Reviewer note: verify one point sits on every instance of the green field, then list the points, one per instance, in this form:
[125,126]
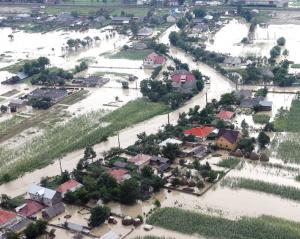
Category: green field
[77,133]
[191,223]
[261,186]
[6,124]
[130,54]
[261,118]
[229,162]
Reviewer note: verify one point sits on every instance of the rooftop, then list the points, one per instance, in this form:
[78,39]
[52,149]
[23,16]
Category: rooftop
[201,132]
[30,208]
[140,159]
[6,216]
[181,75]
[157,59]
[68,186]
[119,174]
[225,115]
[229,135]
[41,191]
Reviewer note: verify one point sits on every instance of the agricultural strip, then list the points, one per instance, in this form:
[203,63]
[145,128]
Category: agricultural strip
[9,123]
[189,222]
[130,54]
[261,186]
[77,133]
[230,162]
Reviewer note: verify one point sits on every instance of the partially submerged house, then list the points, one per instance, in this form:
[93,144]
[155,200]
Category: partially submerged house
[183,80]
[16,105]
[225,115]
[10,221]
[232,61]
[144,32]
[53,94]
[154,60]
[227,139]
[251,103]
[69,186]
[30,208]
[161,164]
[140,160]
[43,195]
[119,175]
[169,141]
[53,211]
[201,133]
[91,81]
[265,105]
[120,20]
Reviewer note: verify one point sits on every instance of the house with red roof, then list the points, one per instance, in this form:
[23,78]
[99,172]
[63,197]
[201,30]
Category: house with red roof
[7,218]
[227,139]
[140,160]
[119,175]
[153,60]
[29,208]
[200,133]
[225,115]
[183,80]
[69,186]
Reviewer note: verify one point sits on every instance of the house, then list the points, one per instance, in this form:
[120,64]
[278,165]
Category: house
[227,139]
[154,60]
[91,81]
[43,195]
[232,61]
[173,3]
[53,211]
[183,80]
[161,164]
[169,141]
[140,160]
[54,94]
[119,175]
[144,32]
[16,105]
[29,208]
[139,46]
[7,218]
[265,105]
[76,227]
[69,186]
[120,20]
[197,152]
[198,21]
[243,94]
[120,164]
[174,17]
[225,115]
[200,27]
[208,17]
[251,103]
[200,133]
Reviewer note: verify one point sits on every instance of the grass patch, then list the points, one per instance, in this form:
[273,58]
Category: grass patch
[77,133]
[59,9]
[289,149]
[130,54]
[14,68]
[9,123]
[10,93]
[138,12]
[295,66]
[230,162]
[261,118]
[297,178]
[261,186]
[280,166]
[189,222]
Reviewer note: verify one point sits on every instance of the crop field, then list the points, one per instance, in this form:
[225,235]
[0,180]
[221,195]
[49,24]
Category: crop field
[230,162]
[189,222]
[78,132]
[261,118]
[288,149]
[130,54]
[261,186]
[5,125]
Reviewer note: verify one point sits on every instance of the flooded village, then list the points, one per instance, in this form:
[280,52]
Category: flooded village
[149,119]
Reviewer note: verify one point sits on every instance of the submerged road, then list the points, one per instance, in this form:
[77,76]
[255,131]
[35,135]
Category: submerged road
[218,86]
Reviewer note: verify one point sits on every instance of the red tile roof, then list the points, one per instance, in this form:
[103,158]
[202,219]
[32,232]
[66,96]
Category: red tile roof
[6,216]
[201,132]
[157,59]
[226,115]
[182,75]
[65,187]
[118,174]
[31,208]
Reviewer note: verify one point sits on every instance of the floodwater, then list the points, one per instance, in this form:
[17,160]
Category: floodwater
[228,39]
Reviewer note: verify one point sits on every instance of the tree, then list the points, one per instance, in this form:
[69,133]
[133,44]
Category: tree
[98,215]
[11,235]
[181,23]
[228,99]
[275,52]
[263,139]
[134,27]
[157,203]
[171,151]
[34,230]
[199,12]
[129,191]
[147,171]
[125,85]
[65,176]
[89,153]
[3,108]
[281,41]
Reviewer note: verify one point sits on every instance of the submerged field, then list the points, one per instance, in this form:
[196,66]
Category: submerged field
[77,133]
[189,223]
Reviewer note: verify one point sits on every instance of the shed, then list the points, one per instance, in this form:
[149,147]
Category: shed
[51,212]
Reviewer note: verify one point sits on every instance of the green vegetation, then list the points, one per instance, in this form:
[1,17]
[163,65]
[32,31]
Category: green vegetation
[130,54]
[289,148]
[261,186]
[9,123]
[14,68]
[297,178]
[261,118]
[229,162]
[288,120]
[75,97]
[295,66]
[77,133]
[189,222]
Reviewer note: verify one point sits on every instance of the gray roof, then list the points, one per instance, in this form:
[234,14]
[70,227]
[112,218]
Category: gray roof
[53,211]
[48,93]
[265,103]
[232,60]
[41,191]
[160,160]
[121,19]
[251,103]
[244,94]
[74,226]
[120,164]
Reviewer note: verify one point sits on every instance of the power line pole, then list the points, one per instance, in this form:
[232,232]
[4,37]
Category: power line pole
[61,171]
[119,140]
[168,118]
[206,98]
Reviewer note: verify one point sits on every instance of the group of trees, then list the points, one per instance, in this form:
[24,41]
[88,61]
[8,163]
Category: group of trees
[53,76]
[35,66]
[41,103]
[81,67]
